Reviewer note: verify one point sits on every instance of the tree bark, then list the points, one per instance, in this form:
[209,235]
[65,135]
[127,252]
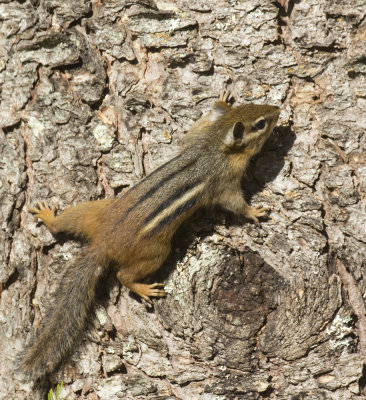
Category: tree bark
[95,95]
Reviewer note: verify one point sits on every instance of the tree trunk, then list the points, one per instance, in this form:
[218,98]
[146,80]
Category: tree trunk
[95,95]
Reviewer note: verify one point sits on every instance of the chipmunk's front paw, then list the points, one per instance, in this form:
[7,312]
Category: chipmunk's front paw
[43,212]
[254,213]
[225,95]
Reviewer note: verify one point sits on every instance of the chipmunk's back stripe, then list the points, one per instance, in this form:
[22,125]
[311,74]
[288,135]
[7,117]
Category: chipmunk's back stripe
[182,200]
[155,188]
[170,200]
[179,211]
[158,186]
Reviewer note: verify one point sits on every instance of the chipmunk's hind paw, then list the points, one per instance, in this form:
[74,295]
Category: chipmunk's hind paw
[42,211]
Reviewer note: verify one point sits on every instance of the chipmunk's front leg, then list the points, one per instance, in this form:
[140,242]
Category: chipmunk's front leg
[235,202]
[225,95]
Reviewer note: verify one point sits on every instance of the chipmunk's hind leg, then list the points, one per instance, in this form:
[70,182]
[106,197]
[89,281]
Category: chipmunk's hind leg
[129,278]
[79,220]
[146,291]
[46,214]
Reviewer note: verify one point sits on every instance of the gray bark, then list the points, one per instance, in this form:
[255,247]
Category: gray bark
[94,95]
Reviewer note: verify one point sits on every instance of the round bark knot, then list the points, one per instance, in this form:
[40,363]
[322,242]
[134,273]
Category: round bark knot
[244,294]
[226,297]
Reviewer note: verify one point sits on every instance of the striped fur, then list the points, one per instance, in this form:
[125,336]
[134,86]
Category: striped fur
[158,185]
[181,201]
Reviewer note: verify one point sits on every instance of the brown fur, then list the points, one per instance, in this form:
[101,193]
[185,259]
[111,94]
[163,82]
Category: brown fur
[135,231]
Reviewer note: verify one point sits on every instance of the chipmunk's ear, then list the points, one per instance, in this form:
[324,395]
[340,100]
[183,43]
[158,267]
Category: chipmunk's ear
[235,136]
[218,110]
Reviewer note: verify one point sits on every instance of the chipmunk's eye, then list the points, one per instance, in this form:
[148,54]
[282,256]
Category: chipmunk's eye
[260,124]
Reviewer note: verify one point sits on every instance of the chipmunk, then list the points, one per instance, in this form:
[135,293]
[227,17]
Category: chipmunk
[133,233]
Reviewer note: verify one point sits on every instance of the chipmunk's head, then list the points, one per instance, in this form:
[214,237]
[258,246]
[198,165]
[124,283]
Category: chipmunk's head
[244,129]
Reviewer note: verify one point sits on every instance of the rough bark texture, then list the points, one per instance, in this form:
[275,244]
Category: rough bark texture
[94,95]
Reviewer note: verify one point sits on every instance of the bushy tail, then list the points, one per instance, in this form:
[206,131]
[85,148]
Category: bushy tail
[66,322]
